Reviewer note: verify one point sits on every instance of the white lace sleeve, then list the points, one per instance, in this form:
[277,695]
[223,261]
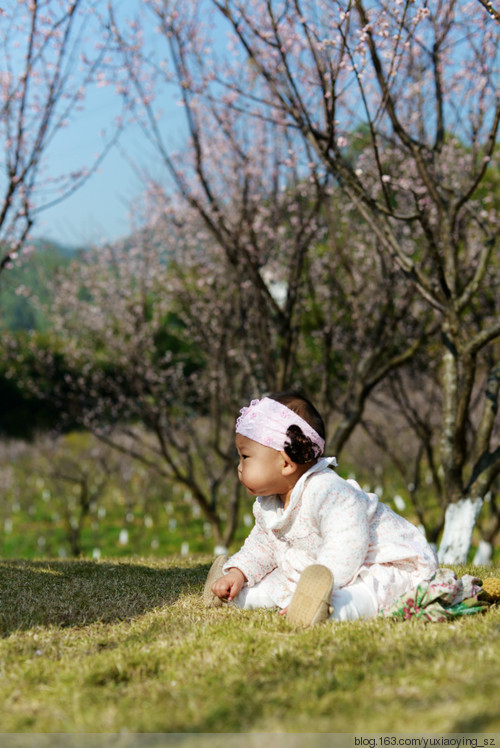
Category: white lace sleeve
[256,558]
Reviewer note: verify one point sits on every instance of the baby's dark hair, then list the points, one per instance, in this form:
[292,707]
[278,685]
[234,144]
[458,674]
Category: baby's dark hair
[301,449]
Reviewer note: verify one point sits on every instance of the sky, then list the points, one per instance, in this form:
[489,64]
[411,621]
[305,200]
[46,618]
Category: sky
[97,211]
[100,210]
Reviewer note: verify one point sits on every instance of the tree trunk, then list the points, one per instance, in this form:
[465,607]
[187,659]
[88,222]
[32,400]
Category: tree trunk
[458,526]
[483,554]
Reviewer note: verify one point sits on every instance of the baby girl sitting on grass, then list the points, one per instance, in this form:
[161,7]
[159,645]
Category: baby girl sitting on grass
[321,547]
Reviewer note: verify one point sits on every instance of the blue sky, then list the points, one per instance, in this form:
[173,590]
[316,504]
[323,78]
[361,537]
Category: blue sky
[99,210]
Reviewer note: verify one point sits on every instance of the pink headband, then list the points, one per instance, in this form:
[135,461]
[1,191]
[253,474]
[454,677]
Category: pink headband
[266,421]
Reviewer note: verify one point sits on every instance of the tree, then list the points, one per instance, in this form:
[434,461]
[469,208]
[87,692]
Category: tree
[416,398]
[424,81]
[76,472]
[131,375]
[156,346]
[316,100]
[266,200]
[42,87]
[359,322]
[424,84]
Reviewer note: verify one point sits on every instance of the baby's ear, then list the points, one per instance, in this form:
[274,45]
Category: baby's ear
[289,467]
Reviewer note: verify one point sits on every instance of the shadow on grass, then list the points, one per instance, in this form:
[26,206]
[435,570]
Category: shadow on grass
[76,593]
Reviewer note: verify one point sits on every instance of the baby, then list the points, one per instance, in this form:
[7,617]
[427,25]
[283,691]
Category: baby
[321,547]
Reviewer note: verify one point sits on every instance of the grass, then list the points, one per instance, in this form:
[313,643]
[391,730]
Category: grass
[126,645]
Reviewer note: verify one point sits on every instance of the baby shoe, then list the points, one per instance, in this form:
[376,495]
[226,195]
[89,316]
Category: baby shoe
[490,590]
[209,599]
[311,602]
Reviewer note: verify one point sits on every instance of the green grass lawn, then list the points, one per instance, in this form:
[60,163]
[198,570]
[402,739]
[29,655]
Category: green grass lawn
[126,645]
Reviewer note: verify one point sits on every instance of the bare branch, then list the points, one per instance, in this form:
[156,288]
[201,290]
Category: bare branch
[493,12]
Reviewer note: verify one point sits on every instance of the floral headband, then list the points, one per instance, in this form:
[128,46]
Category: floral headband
[267,421]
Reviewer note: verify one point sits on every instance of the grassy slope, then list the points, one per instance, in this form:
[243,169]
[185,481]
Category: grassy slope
[113,646]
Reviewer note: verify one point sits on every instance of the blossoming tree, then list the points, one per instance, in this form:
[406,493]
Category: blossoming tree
[261,193]
[157,343]
[421,84]
[48,63]
[333,215]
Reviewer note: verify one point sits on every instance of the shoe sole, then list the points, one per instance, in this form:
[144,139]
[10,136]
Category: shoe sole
[311,602]
[209,599]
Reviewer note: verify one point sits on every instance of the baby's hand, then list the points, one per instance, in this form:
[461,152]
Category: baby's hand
[228,586]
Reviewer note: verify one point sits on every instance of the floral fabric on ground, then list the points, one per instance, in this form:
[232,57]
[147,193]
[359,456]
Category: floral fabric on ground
[439,599]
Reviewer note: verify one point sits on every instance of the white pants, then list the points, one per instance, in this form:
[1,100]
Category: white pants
[349,603]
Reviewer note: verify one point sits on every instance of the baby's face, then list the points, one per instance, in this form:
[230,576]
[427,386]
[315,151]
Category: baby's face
[260,467]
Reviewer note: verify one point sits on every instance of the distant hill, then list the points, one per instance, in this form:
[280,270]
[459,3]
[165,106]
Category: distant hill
[17,312]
